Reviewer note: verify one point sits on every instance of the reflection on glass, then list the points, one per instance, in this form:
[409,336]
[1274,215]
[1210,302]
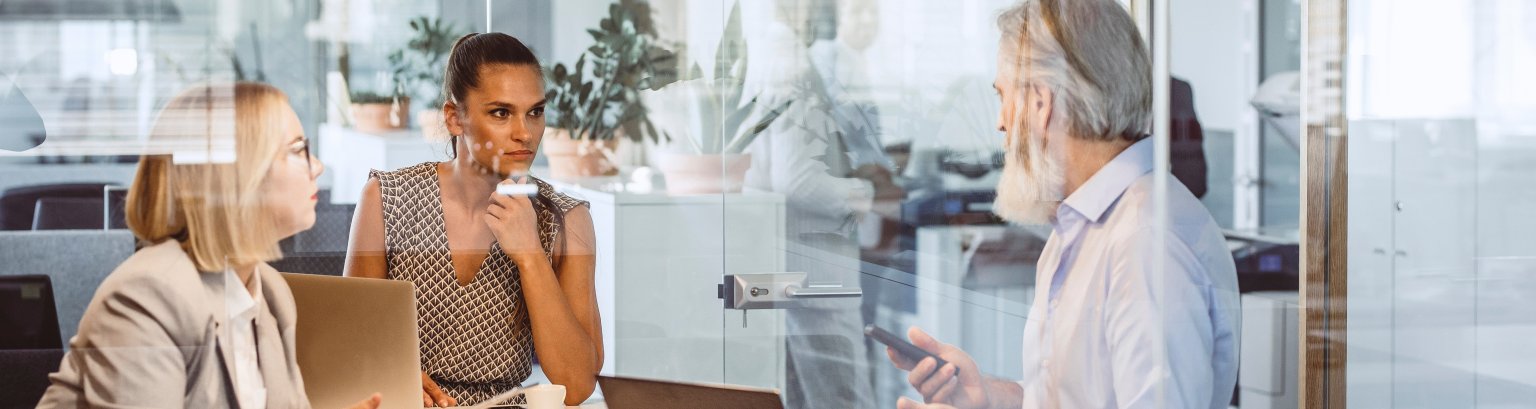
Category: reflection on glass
[812,155]
[856,142]
[208,220]
[24,127]
[1439,248]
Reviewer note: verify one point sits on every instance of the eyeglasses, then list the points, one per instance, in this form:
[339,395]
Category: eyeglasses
[303,150]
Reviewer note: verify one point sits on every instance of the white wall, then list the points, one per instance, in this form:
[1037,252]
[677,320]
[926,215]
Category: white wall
[1209,41]
[1405,69]
[571,20]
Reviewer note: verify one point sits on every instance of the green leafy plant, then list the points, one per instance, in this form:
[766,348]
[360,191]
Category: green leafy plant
[569,95]
[370,97]
[421,61]
[601,95]
[709,112]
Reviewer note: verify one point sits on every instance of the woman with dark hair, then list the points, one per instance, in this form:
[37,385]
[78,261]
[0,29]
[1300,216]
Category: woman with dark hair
[499,277]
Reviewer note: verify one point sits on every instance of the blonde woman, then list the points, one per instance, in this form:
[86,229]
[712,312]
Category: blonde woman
[196,318]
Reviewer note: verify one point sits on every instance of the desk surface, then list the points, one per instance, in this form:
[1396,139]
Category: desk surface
[594,404]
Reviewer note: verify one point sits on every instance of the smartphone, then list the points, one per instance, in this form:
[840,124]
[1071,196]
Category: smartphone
[901,345]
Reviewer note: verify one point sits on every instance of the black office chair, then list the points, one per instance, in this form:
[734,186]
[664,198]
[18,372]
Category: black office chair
[323,248]
[18,205]
[68,213]
[25,378]
[30,347]
[27,314]
[115,197]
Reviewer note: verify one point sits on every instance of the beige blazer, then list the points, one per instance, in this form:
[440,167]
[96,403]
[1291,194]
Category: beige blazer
[153,336]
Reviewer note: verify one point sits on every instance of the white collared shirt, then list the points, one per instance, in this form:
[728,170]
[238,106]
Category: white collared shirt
[241,303]
[1108,328]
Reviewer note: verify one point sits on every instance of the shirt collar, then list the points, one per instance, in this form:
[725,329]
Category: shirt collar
[1093,198]
[239,299]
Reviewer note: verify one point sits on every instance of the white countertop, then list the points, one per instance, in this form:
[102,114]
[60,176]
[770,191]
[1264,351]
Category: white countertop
[622,190]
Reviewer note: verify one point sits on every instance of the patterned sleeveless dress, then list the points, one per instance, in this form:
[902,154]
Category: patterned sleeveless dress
[476,340]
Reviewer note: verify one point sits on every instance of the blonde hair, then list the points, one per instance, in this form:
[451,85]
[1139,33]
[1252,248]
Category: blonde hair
[213,207]
[1090,54]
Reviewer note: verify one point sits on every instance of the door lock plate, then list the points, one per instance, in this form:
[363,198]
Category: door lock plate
[776,291]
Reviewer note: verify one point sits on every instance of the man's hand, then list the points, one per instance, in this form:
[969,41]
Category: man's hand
[958,383]
[904,403]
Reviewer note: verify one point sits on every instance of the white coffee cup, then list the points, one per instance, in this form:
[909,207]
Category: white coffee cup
[517,189]
[545,396]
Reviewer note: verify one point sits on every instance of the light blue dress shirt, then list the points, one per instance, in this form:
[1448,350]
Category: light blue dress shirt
[1110,327]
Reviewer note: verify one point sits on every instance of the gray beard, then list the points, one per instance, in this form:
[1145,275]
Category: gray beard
[1031,187]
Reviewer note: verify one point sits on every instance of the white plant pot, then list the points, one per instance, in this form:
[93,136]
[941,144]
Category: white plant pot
[704,174]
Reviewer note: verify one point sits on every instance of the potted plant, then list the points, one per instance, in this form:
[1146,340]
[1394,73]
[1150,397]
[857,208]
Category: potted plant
[599,99]
[421,63]
[710,127]
[373,112]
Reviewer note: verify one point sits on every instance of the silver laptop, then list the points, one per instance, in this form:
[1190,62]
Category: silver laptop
[635,393]
[355,337]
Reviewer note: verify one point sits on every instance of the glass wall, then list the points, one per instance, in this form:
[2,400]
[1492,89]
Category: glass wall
[888,163]
[765,183]
[1235,137]
[1439,262]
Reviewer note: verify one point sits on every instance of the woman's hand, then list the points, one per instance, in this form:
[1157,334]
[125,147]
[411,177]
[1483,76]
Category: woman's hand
[431,395]
[514,224]
[371,403]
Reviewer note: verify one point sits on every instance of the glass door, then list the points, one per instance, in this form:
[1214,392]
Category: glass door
[819,167]
[1439,256]
[880,154]
[885,165]
[888,160]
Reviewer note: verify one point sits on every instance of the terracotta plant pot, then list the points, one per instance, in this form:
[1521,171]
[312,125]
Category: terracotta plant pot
[431,123]
[705,174]
[381,117]
[571,159]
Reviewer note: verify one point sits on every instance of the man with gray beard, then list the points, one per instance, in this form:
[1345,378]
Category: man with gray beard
[1128,312]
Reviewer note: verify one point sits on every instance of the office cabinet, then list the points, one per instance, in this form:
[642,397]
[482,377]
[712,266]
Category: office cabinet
[1413,286]
[349,154]
[1268,354]
[984,320]
[1370,265]
[660,258]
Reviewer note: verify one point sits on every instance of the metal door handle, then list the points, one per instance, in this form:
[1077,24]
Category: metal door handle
[795,291]
[777,290]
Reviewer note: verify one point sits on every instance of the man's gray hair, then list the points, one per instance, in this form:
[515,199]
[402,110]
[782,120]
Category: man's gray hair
[1090,54]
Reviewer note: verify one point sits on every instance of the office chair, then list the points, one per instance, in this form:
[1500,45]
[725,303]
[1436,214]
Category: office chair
[28,316]
[30,347]
[68,213]
[323,248]
[115,197]
[19,204]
